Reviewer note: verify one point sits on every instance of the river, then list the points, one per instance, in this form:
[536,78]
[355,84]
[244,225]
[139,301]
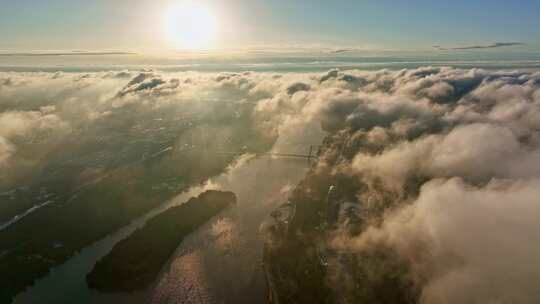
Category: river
[219,263]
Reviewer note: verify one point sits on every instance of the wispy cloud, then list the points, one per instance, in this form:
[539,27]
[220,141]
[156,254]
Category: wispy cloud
[476,47]
[341,51]
[70,53]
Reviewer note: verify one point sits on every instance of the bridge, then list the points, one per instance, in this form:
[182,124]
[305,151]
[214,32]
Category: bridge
[310,156]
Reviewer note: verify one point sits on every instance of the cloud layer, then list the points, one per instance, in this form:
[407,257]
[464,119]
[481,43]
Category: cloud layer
[457,151]
[451,157]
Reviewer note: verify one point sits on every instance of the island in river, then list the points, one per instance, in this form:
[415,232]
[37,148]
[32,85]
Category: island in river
[135,262]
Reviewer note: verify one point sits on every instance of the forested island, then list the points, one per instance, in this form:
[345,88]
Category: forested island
[135,262]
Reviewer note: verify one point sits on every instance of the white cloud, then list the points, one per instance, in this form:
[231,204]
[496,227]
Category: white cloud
[470,137]
[468,244]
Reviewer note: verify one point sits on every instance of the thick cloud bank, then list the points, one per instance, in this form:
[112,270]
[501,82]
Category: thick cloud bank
[452,155]
[453,159]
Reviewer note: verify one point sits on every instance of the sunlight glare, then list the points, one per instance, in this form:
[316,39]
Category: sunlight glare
[190,25]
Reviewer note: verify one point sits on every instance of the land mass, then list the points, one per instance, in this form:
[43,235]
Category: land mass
[135,262]
[141,177]
[300,264]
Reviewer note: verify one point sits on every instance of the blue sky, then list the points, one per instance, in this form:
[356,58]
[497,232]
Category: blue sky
[364,24]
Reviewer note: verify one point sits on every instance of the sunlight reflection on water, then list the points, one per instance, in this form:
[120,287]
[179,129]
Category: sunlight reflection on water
[221,262]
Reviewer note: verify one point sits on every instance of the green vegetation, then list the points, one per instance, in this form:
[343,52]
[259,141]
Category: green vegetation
[135,262]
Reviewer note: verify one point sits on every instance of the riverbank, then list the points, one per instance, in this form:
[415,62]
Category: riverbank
[135,262]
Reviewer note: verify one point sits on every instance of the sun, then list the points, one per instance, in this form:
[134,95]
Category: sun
[190,25]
